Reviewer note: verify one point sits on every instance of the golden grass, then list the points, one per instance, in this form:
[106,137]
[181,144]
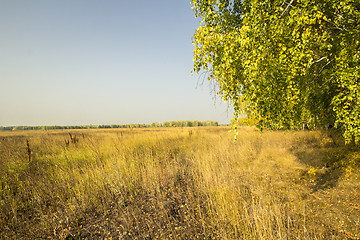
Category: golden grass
[170,183]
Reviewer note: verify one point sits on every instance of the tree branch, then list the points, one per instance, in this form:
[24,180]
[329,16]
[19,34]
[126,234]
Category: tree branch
[287,7]
[321,70]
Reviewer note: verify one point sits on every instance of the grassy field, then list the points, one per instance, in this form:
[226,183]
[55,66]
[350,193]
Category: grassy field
[177,183]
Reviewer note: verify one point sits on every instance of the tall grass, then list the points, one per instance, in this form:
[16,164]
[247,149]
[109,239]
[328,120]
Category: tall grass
[177,183]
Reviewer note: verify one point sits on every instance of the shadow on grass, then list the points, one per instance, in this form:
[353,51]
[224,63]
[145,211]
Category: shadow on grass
[327,180]
[328,158]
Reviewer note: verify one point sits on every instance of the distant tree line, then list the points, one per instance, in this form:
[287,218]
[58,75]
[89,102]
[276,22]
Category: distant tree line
[163,124]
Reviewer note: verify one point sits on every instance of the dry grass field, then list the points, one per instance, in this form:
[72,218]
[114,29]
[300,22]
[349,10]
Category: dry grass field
[177,183]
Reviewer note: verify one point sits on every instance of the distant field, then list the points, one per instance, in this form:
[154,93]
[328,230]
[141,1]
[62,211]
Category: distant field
[177,183]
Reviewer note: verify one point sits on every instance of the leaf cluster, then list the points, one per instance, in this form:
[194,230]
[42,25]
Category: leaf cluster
[284,63]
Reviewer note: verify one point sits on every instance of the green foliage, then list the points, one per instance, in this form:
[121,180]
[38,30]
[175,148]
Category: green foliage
[284,63]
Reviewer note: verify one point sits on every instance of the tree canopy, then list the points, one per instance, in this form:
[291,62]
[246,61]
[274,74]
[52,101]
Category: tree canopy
[284,63]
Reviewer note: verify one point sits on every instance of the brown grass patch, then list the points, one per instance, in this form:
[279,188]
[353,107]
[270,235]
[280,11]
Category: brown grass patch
[177,183]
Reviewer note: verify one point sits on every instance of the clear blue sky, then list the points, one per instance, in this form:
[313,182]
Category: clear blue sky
[69,62]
